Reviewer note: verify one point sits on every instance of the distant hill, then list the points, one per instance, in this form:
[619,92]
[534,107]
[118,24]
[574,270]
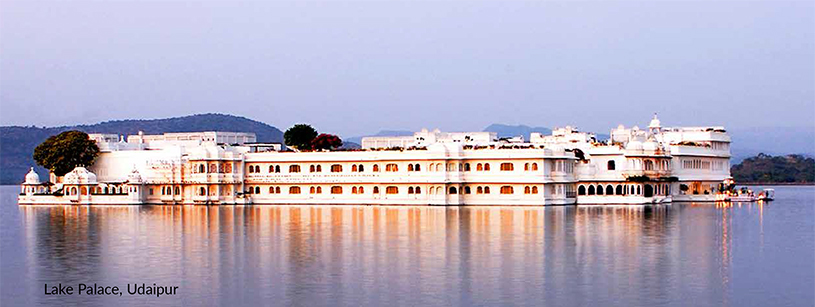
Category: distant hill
[748,142]
[17,143]
[775,169]
[358,139]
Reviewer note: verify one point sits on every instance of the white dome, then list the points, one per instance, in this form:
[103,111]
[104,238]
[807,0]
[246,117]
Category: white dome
[134,177]
[650,146]
[32,177]
[80,175]
[634,145]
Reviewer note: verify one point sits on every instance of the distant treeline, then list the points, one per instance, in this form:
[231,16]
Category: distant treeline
[775,169]
[17,143]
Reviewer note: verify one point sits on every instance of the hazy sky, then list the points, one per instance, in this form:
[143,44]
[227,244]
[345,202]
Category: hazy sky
[357,67]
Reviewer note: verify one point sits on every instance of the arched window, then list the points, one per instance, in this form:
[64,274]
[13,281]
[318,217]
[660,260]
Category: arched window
[294,190]
[277,168]
[276,190]
[649,165]
[201,168]
[619,190]
[213,168]
[410,169]
[336,168]
[438,190]
[453,190]
[410,190]
[599,190]
[591,190]
[534,166]
[354,169]
[507,167]
[376,190]
[431,190]
[202,191]
[486,166]
[479,167]
[294,168]
[507,190]
[319,190]
[467,190]
[311,168]
[609,190]
[311,190]
[417,167]
[610,165]
[361,168]
[466,167]
[336,190]
[177,191]
[319,168]
[361,190]
[391,190]
[257,190]
[376,167]
[271,168]
[479,190]
[354,189]
[581,190]
[418,190]
[391,167]
[486,190]
[639,191]
[526,167]
[534,190]
[527,189]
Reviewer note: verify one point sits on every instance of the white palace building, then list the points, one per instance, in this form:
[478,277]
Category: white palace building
[634,166]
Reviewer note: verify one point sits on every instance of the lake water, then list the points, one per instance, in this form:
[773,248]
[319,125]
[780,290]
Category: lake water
[672,255]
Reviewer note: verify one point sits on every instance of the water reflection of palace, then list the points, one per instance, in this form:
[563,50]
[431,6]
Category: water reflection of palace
[472,251]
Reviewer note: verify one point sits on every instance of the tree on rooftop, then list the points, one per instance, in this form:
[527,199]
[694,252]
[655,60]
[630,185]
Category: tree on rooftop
[300,136]
[63,152]
[326,141]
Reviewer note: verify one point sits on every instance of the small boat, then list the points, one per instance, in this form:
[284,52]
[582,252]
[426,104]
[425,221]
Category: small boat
[766,195]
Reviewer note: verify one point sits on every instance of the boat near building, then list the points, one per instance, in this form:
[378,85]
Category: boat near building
[656,165]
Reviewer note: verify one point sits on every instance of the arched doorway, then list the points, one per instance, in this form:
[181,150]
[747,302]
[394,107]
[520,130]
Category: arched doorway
[649,191]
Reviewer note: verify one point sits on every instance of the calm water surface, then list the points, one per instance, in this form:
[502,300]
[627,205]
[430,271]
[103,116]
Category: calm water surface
[674,255]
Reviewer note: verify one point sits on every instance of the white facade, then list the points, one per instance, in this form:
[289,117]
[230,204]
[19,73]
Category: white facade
[430,168]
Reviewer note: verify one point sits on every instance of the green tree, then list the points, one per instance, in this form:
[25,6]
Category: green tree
[63,152]
[326,141]
[300,136]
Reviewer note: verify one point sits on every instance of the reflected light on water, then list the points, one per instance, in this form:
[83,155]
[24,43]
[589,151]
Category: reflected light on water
[362,255]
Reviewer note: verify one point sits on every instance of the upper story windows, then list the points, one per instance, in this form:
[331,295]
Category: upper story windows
[315,168]
[531,166]
[507,166]
[357,168]
[482,167]
[563,166]
[336,168]
[507,190]
[392,167]
[294,168]
[376,168]
[414,167]
[336,190]
[273,169]
[610,165]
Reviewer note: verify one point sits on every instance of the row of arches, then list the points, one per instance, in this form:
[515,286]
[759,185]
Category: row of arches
[203,168]
[645,190]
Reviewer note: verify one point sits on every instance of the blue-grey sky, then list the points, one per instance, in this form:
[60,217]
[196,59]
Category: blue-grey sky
[354,68]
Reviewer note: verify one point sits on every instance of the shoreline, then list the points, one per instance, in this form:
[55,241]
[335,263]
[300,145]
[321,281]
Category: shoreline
[778,183]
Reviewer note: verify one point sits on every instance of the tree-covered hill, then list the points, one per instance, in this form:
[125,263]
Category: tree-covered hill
[775,169]
[17,143]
